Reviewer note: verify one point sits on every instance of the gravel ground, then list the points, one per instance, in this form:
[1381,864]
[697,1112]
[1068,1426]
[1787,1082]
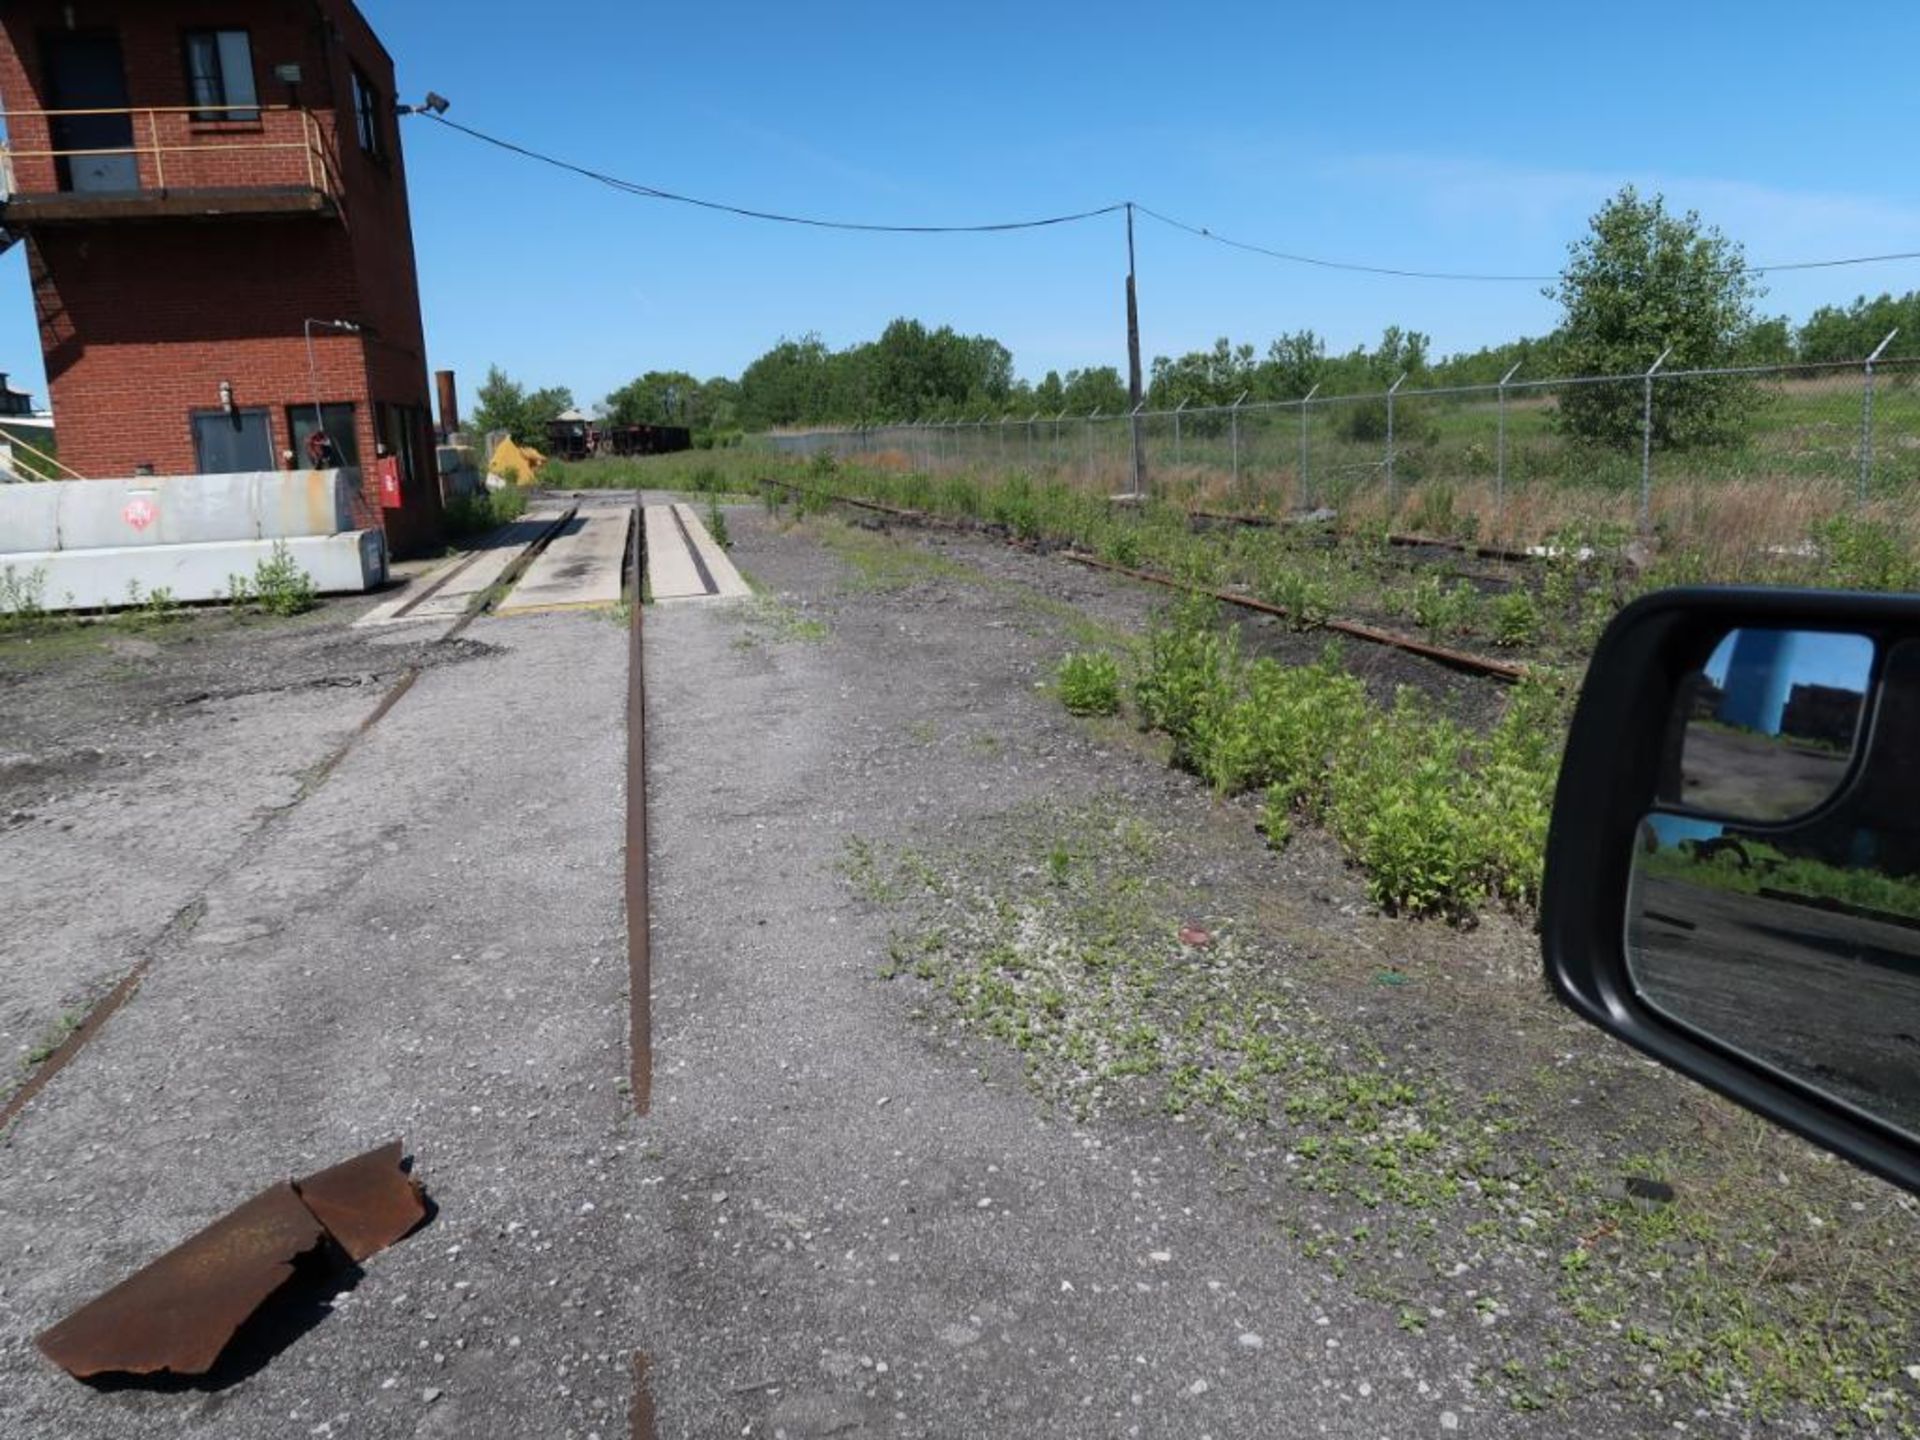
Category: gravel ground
[139,762]
[856,1208]
[430,945]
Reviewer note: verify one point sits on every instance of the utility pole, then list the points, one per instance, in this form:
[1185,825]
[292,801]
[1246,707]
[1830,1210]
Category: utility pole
[1134,397]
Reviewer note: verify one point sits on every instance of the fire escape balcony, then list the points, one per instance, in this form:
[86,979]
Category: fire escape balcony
[82,167]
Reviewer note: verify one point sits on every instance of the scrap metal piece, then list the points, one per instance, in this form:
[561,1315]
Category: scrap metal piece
[365,1203]
[178,1314]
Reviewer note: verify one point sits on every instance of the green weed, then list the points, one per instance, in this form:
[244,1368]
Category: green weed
[1089,683]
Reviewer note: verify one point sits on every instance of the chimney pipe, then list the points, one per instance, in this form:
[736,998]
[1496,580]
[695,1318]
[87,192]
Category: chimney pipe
[449,403]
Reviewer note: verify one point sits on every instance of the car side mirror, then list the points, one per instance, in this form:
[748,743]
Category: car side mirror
[1733,869]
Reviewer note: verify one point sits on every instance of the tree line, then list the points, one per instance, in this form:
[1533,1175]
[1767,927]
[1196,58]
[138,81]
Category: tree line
[1640,280]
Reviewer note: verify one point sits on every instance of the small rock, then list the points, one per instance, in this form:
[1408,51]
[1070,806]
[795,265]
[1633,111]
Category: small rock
[431,1394]
[1251,1341]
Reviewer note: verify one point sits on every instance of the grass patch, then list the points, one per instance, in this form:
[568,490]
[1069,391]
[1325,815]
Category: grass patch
[469,515]
[57,1034]
[1089,683]
[1767,1282]
[1438,819]
[773,619]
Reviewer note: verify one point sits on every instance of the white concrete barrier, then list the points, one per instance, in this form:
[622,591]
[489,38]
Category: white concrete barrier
[112,576]
[91,544]
[178,509]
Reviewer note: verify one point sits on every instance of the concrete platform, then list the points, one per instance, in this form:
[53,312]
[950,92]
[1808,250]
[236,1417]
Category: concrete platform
[448,591]
[683,562]
[581,568]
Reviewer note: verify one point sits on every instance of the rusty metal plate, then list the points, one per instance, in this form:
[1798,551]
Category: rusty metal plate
[178,1314]
[367,1202]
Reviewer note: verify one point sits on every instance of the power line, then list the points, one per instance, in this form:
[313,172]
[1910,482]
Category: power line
[652,192]
[633,187]
[1205,233]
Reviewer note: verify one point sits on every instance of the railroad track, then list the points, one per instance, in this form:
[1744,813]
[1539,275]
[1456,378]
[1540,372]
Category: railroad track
[1408,541]
[1507,671]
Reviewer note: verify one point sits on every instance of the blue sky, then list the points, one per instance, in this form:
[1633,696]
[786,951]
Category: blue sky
[1461,136]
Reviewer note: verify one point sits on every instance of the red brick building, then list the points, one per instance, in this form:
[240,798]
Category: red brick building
[204,188]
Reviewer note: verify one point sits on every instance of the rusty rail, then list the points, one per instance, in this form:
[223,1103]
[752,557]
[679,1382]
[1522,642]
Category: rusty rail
[1466,660]
[1416,541]
[1508,671]
[639,917]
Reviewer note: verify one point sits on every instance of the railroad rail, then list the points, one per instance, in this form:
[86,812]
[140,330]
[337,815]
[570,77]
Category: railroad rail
[1507,671]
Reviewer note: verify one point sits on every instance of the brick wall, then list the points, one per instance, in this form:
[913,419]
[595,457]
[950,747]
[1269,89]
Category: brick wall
[142,320]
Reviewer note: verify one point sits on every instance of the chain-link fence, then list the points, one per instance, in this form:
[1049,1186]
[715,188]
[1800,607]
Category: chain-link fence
[1773,447]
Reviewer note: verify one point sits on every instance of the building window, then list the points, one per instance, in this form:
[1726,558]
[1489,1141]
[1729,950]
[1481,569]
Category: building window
[342,444]
[398,428]
[366,115]
[220,75]
[231,442]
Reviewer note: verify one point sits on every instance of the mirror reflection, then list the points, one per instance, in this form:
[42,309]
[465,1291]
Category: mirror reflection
[1799,944]
[1771,722]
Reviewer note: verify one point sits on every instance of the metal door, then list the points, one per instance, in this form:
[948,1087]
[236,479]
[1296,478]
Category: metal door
[226,444]
[84,73]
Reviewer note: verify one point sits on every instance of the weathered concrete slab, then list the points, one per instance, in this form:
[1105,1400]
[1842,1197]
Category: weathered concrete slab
[448,591]
[671,573]
[179,510]
[683,563]
[582,567]
[726,579]
[103,578]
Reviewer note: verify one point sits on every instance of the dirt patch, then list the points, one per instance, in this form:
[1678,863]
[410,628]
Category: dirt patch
[1402,1101]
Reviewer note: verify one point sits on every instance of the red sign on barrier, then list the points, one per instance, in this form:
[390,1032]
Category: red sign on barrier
[140,512]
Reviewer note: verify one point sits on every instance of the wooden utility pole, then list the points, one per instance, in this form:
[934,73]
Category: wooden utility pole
[1134,393]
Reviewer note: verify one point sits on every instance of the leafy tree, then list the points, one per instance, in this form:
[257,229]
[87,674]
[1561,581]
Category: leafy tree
[1295,363]
[1768,342]
[1202,377]
[1639,281]
[659,397]
[505,404]
[1099,387]
[1050,395]
[788,385]
[1850,332]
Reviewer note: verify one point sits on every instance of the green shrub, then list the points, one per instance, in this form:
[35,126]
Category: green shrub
[22,595]
[1276,816]
[1400,809]
[1186,677]
[1307,601]
[717,525]
[960,496]
[1516,620]
[1433,512]
[1090,683]
[916,491]
[477,514]
[1859,554]
[1440,609]
[1121,546]
[279,584]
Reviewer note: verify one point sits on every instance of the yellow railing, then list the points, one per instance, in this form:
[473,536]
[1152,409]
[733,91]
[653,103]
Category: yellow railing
[177,130]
